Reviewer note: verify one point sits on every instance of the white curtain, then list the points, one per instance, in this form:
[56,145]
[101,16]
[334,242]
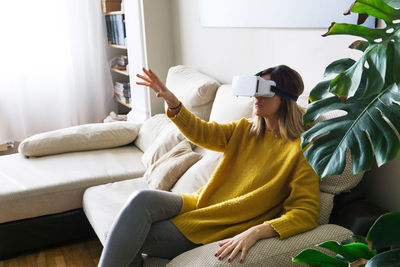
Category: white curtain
[53,71]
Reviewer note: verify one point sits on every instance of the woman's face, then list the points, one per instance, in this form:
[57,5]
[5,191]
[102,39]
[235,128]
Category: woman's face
[267,106]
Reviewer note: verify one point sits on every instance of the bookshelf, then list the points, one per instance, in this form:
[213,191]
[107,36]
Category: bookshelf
[114,15]
[148,43]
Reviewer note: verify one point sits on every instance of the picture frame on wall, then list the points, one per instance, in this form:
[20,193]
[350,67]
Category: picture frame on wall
[276,14]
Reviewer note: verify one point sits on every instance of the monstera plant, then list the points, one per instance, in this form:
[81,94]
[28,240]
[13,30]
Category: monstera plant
[379,249]
[367,91]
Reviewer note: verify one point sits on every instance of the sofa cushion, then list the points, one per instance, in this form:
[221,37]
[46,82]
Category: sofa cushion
[32,187]
[266,252]
[341,183]
[102,203]
[326,206]
[150,130]
[79,138]
[168,138]
[227,107]
[195,89]
[163,173]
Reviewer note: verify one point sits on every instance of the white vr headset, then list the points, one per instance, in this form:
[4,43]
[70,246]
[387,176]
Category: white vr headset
[257,86]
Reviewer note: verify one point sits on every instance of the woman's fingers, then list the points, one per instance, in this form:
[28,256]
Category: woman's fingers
[223,243]
[226,251]
[235,251]
[143,78]
[243,254]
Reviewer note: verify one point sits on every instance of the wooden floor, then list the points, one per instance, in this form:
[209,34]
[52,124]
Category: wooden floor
[83,254]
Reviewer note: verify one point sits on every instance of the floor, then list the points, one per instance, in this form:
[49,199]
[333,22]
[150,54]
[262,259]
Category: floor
[82,254]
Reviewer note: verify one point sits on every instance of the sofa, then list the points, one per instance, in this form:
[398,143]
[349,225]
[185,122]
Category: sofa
[71,183]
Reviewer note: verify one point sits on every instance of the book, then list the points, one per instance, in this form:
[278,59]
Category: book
[120,29]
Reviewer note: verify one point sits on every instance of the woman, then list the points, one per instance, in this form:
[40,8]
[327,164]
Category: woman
[261,173]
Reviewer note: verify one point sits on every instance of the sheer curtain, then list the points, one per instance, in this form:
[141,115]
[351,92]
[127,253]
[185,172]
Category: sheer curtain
[54,71]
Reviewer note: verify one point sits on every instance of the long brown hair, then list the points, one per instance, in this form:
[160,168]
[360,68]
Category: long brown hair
[290,114]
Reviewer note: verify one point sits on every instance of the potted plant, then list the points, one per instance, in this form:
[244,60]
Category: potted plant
[379,249]
[367,90]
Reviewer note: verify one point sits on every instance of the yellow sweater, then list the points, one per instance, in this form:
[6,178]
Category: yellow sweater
[255,180]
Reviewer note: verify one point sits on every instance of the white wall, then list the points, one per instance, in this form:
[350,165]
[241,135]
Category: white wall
[224,52]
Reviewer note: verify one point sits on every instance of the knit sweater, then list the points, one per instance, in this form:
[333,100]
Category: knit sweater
[256,180]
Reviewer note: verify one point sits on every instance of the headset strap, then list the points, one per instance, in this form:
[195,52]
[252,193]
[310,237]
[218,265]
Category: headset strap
[284,93]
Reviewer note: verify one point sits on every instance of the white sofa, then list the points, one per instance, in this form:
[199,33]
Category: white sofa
[101,179]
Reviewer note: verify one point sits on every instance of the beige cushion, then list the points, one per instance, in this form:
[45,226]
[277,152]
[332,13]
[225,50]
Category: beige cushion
[79,138]
[166,171]
[266,252]
[103,203]
[196,90]
[227,107]
[32,187]
[325,208]
[168,138]
[341,183]
[198,174]
[150,130]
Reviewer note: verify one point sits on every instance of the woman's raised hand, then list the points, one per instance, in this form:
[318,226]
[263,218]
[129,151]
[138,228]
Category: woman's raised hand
[151,80]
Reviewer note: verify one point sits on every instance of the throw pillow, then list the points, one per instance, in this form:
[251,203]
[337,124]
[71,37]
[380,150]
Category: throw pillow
[79,138]
[166,171]
[199,174]
[164,142]
[150,129]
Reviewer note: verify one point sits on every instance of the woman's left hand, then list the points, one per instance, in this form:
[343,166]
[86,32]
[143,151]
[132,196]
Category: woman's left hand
[243,242]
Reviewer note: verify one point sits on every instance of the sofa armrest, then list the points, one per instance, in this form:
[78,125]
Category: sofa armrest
[266,252]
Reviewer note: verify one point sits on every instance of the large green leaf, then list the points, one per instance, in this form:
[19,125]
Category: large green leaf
[320,91]
[389,258]
[361,31]
[316,258]
[351,252]
[369,127]
[378,9]
[385,232]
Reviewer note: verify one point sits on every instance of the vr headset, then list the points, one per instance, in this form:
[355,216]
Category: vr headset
[257,86]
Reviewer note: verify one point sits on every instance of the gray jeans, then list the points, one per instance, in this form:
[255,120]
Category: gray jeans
[143,227]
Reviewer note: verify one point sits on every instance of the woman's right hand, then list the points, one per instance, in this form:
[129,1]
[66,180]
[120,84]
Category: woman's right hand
[151,80]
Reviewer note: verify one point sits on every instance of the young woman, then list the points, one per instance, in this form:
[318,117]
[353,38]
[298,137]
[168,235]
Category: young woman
[262,173]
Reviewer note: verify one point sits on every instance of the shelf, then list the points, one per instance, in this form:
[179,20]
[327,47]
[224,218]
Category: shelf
[117,46]
[115,13]
[123,72]
[122,103]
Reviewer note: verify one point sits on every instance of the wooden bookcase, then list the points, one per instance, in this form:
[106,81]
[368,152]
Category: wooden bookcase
[149,44]
[114,13]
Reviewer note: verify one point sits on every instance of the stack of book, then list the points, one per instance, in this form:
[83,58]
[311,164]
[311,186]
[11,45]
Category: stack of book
[116,32]
[122,91]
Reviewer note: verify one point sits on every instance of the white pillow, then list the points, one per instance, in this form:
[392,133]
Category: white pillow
[199,174]
[164,142]
[150,129]
[196,90]
[227,107]
[79,138]
[165,171]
